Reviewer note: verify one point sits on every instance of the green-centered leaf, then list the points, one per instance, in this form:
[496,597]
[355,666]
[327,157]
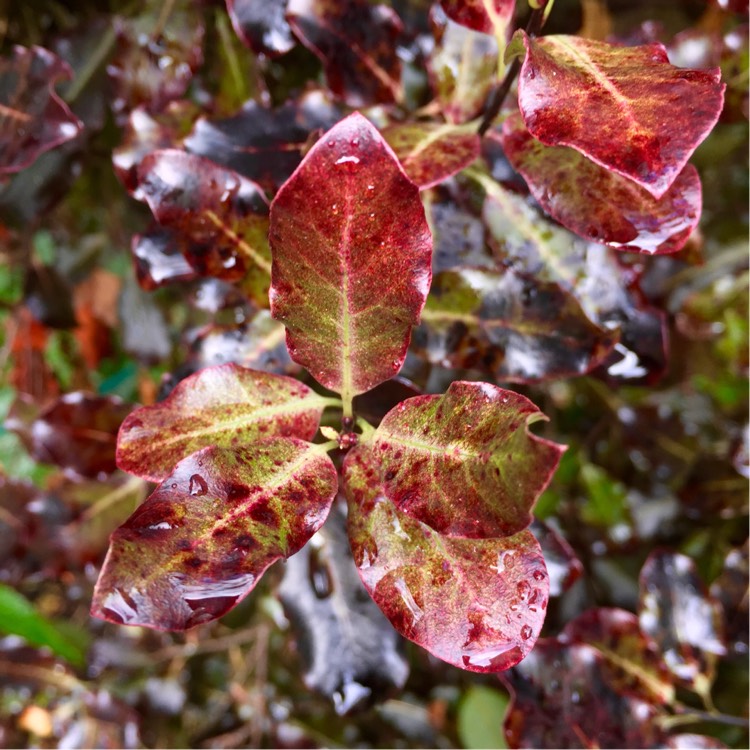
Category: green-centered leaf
[625,108]
[202,540]
[477,604]
[431,152]
[227,406]
[481,713]
[351,259]
[465,463]
[599,204]
[219,217]
[18,616]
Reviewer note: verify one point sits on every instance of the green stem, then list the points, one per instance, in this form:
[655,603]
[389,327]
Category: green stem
[696,717]
[100,54]
[367,429]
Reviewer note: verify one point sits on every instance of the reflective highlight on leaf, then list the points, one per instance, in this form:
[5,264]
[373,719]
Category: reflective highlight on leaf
[202,540]
[477,604]
[465,463]
[334,230]
[625,108]
[261,25]
[226,406]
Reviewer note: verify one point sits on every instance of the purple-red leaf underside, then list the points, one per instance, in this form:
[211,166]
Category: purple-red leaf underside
[480,15]
[599,204]
[202,540]
[626,108]
[227,406]
[351,259]
[477,604]
[464,463]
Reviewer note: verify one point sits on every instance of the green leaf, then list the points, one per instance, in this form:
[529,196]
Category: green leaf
[481,714]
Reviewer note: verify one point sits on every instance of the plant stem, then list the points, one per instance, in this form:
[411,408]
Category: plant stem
[100,54]
[695,717]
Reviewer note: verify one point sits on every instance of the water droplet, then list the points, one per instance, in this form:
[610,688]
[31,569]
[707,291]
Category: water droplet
[173,485]
[331,144]
[371,187]
[538,575]
[526,632]
[198,485]
[347,160]
[524,589]
[354,141]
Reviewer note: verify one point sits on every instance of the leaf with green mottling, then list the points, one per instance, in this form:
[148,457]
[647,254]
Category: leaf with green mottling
[227,406]
[465,463]
[351,259]
[478,604]
[202,540]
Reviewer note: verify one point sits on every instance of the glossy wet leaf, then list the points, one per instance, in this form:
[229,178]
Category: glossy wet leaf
[158,258]
[227,406]
[488,16]
[350,651]
[356,42]
[599,204]
[432,152]
[563,567]
[465,463]
[334,230]
[33,118]
[730,590]
[202,540]
[626,108]
[261,25]
[220,217]
[676,611]
[477,604]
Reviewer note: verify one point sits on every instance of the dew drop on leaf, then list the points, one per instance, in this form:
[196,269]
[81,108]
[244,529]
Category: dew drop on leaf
[198,485]
[526,632]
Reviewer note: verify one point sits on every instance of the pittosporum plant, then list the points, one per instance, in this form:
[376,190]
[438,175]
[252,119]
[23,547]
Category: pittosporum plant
[439,493]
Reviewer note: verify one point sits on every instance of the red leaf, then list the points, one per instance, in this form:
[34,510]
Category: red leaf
[625,108]
[351,259]
[599,204]
[261,25]
[202,540]
[465,463]
[33,118]
[477,604]
[480,15]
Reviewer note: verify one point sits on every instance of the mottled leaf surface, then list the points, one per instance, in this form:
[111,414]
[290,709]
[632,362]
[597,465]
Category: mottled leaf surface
[465,463]
[356,42]
[227,406]
[33,118]
[431,152]
[219,216]
[488,16]
[599,204]
[625,108]
[204,537]
[261,25]
[347,216]
[477,604]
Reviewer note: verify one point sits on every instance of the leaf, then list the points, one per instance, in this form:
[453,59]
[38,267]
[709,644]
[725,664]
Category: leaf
[349,215]
[684,621]
[465,463]
[563,567]
[356,42]
[625,108]
[202,540]
[431,152]
[220,217]
[601,205]
[261,25]
[227,406]
[18,616]
[480,718]
[158,258]
[350,652]
[487,16]
[477,604]
[730,590]
[33,118]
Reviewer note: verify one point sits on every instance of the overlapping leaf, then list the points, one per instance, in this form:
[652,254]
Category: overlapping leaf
[625,108]
[202,540]
[334,229]
[465,463]
[219,217]
[261,25]
[432,152]
[33,118]
[599,204]
[477,604]
[480,15]
[226,406]
[158,258]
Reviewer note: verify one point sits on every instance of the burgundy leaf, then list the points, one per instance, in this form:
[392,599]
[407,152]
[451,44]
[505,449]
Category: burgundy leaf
[465,463]
[158,258]
[431,152]
[33,118]
[219,216]
[488,16]
[202,540]
[356,41]
[477,604]
[349,215]
[625,108]
[563,567]
[599,204]
[730,590]
[261,25]
[227,406]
